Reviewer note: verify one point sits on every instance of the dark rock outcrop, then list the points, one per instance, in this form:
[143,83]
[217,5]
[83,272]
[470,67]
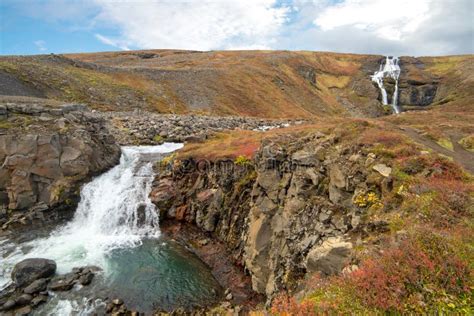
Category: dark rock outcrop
[277,214]
[46,154]
[417,88]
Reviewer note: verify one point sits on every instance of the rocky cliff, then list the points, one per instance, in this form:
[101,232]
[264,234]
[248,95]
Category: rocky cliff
[428,81]
[46,153]
[295,209]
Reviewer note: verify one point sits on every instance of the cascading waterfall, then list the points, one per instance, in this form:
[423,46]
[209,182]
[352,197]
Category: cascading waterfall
[114,212]
[390,68]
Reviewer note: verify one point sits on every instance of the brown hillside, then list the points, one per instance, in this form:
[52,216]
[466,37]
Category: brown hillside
[254,83]
[273,84]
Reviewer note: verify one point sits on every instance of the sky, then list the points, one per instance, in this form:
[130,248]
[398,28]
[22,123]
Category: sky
[387,27]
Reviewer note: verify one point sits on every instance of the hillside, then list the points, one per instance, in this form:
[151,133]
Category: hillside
[272,84]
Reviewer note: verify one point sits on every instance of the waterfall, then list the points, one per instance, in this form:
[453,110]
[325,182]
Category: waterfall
[114,212]
[389,68]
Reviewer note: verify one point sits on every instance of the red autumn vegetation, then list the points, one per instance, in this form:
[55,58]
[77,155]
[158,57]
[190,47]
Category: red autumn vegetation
[414,272]
[424,272]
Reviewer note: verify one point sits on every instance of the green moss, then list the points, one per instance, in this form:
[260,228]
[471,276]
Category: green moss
[387,109]
[248,178]
[401,175]
[5,124]
[57,192]
[158,139]
[167,161]
[382,151]
[341,296]
[397,223]
[467,143]
[242,161]
[421,204]
[446,143]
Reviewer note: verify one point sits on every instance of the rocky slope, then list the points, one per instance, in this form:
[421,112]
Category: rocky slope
[144,127]
[46,153]
[435,80]
[320,200]
[279,212]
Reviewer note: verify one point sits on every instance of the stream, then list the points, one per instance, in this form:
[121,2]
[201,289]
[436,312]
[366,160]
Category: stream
[116,228]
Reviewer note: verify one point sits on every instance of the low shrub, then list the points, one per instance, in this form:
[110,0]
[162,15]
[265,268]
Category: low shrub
[242,161]
[369,199]
[286,305]
[386,138]
[425,273]
[413,275]
[432,165]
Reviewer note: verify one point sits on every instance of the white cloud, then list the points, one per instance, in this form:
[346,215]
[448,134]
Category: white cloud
[196,25]
[41,45]
[388,19]
[111,42]
[398,27]
[415,27]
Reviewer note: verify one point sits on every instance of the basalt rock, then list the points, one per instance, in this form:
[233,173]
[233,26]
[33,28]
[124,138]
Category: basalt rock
[416,87]
[330,257]
[44,161]
[36,286]
[31,280]
[29,270]
[289,213]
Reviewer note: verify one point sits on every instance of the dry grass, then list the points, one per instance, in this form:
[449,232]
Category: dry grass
[268,84]
[224,145]
[249,83]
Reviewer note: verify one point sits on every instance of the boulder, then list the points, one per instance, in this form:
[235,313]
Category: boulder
[63,282]
[330,257]
[337,178]
[29,270]
[304,158]
[86,279]
[39,300]
[9,304]
[26,310]
[163,195]
[24,299]
[383,169]
[36,287]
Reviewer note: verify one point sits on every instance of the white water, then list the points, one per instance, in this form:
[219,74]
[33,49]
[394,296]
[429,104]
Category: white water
[391,69]
[114,212]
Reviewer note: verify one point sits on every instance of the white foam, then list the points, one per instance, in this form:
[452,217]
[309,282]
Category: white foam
[114,212]
[390,68]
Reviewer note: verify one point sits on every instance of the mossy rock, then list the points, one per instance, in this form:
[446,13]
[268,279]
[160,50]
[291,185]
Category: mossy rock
[445,143]
[158,139]
[467,143]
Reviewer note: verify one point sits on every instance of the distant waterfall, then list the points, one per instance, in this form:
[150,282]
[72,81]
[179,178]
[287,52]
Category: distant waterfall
[388,68]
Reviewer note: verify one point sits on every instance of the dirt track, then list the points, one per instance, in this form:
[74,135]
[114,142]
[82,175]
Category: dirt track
[459,154]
